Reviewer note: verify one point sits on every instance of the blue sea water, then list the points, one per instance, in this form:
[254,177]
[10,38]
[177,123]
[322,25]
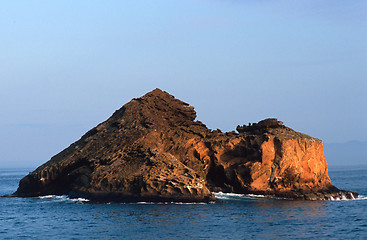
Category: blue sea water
[235,217]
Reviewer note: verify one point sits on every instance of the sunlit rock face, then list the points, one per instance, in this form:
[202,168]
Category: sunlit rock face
[152,149]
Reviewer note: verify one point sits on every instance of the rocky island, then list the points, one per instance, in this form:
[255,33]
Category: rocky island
[152,149]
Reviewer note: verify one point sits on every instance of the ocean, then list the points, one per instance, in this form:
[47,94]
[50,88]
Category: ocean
[234,217]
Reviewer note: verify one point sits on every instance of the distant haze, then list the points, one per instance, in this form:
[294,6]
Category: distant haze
[346,154]
[67,65]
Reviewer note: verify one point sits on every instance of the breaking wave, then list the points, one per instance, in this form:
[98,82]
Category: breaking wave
[343,198]
[67,199]
[350,197]
[361,197]
[62,199]
[219,195]
[236,196]
[174,203]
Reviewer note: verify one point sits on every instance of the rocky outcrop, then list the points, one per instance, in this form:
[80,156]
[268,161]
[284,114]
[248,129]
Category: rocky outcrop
[152,149]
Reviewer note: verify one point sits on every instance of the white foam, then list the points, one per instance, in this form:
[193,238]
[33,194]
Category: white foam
[237,196]
[176,203]
[230,196]
[343,197]
[47,196]
[256,196]
[361,197]
[218,194]
[79,199]
[62,198]
[189,203]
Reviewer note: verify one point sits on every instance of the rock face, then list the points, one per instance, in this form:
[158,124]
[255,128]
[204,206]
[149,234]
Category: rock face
[152,149]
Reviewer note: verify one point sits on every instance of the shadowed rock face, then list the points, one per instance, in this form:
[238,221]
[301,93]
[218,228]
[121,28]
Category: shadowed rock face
[152,149]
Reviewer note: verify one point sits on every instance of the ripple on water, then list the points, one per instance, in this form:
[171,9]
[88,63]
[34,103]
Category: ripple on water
[239,216]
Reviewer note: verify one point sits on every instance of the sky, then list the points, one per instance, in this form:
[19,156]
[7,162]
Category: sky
[66,66]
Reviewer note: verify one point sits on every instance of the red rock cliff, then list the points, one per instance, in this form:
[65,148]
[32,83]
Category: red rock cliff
[152,149]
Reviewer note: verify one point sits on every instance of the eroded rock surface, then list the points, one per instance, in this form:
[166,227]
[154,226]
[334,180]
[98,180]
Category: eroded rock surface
[152,149]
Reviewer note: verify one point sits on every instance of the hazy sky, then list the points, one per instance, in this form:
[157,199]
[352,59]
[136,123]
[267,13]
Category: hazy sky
[65,66]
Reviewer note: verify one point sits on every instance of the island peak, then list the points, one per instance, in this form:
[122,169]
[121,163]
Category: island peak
[152,149]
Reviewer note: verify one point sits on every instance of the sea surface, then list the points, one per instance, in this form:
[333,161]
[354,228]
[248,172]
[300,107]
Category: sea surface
[235,217]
